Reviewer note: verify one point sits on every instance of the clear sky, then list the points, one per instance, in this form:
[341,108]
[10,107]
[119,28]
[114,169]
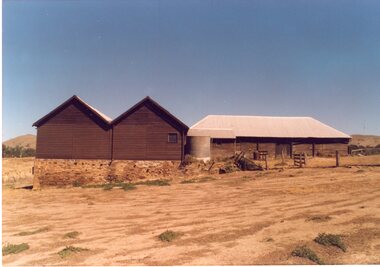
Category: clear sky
[281,58]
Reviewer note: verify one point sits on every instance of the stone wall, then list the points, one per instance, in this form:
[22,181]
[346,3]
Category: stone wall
[61,172]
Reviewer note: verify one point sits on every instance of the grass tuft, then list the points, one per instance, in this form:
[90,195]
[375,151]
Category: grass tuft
[169,236]
[127,187]
[107,187]
[154,183]
[305,252]
[73,234]
[319,218]
[77,183]
[69,250]
[200,180]
[14,249]
[331,240]
[41,230]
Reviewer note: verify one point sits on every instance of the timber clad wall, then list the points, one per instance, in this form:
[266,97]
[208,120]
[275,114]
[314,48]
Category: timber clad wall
[143,135]
[303,148]
[329,149]
[73,134]
[75,130]
[222,148]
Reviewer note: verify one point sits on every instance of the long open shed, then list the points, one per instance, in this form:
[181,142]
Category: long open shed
[218,136]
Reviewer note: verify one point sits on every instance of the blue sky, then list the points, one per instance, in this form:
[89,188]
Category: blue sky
[281,58]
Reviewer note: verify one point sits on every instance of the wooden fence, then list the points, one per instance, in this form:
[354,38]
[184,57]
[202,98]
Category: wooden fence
[299,159]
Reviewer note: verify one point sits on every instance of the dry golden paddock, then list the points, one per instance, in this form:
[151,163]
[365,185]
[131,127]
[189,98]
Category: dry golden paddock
[236,219]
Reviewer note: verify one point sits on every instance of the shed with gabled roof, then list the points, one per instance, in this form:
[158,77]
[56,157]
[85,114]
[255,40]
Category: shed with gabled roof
[147,131]
[74,130]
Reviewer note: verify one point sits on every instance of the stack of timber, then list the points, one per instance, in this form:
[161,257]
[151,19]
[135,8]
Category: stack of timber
[240,163]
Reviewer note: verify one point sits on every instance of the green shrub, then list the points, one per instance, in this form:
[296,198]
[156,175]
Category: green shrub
[69,250]
[169,236]
[41,230]
[330,240]
[73,234]
[17,152]
[14,249]
[305,252]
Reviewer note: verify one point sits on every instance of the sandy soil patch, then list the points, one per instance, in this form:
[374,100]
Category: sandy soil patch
[236,219]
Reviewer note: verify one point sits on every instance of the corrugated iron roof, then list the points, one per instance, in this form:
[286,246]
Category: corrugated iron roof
[105,117]
[212,132]
[263,126]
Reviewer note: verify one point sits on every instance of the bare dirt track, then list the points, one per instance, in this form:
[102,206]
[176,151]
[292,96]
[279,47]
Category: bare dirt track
[237,219]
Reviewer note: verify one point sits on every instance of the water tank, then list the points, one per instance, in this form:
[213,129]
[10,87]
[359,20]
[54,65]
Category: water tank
[199,147]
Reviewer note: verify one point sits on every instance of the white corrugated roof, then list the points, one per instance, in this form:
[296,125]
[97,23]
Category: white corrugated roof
[262,126]
[212,132]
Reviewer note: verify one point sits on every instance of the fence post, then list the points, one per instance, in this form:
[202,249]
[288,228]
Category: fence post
[266,162]
[337,158]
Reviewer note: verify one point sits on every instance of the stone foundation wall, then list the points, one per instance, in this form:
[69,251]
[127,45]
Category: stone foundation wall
[61,172]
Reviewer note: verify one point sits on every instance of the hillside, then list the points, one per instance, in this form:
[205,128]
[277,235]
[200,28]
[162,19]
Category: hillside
[26,141]
[365,140]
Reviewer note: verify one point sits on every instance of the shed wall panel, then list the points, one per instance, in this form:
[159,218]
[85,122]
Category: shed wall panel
[222,148]
[329,149]
[144,135]
[72,134]
[269,147]
[303,148]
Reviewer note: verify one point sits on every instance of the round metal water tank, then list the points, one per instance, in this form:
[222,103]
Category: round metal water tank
[199,147]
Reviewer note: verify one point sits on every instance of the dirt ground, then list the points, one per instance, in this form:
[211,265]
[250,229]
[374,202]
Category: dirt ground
[237,219]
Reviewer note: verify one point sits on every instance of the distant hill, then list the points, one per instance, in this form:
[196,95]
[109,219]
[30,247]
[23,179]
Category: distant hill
[26,141]
[365,140]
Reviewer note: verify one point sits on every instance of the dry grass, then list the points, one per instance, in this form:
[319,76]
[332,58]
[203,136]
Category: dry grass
[41,230]
[228,221]
[319,218]
[331,240]
[14,249]
[307,253]
[169,236]
[154,183]
[198,180]
[69,250]
[73,234]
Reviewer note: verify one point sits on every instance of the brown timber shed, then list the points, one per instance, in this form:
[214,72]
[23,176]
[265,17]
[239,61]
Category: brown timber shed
[147,131]
[76,130]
